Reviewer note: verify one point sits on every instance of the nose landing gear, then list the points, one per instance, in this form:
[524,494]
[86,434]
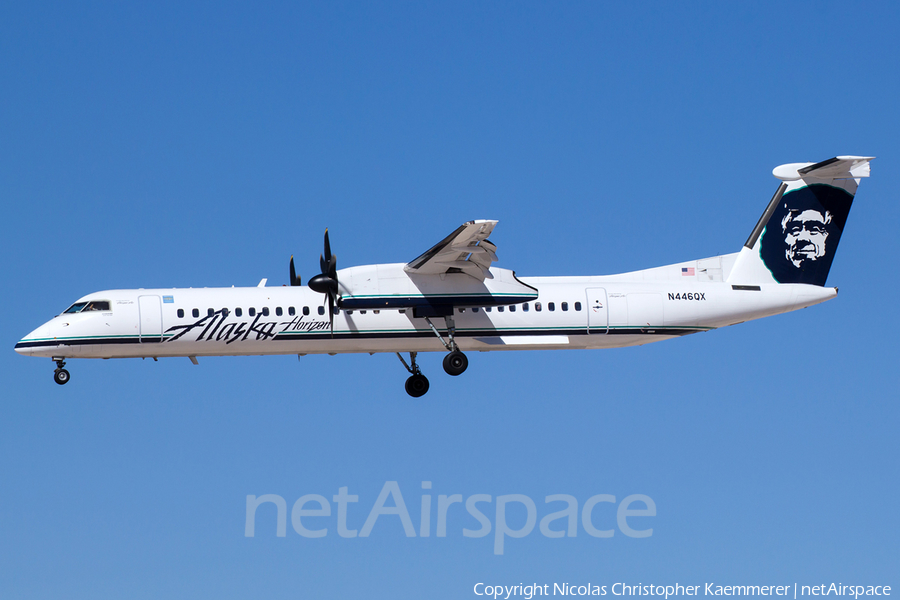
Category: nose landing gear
[60,375]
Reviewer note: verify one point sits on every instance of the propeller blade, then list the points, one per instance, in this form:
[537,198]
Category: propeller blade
[327,246]
[329,268]
[328,261]
[294,279]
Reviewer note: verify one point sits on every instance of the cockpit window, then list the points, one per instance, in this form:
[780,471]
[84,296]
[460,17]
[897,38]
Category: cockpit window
[92,305]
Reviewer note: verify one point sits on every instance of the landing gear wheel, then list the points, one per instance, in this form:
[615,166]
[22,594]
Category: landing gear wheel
[61,376]
[417,385]
[455,363]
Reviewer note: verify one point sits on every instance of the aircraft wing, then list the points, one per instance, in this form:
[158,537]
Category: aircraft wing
[466,250]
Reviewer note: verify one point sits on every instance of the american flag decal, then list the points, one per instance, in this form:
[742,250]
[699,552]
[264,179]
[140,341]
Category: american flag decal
[687,270]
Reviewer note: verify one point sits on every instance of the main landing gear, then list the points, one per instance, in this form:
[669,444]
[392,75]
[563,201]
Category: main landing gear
[417,384]
[455,362]
[60,375]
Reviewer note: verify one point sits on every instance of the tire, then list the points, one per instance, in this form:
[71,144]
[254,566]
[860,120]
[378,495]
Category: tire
[416,386]
[455,363]
[61,376]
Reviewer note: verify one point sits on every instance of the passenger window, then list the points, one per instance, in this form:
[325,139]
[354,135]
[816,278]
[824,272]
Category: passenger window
[376,311]
[578,306]
[195,313]
[474,309]
[278,311]
[251,311]
[551,306]
[349,312]
[487,309]
[238,312]
[210,312]
[564,306]
[291,311]
[225,312]
[180,313]
[321,310]
[265,311]
[306,310]
[402,311]
[525,307]
[512,308]
[537,306]
[499,309]
[462,310]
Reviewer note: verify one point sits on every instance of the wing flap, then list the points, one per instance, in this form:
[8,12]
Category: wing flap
[466,250]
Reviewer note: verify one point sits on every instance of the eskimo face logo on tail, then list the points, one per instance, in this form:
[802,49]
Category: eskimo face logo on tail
[805,233]
[802,235]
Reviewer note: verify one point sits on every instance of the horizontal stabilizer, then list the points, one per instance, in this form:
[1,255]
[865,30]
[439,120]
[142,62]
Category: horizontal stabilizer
[839,167]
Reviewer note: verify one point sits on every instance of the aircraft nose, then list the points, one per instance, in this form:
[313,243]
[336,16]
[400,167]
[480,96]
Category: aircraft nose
[30,344]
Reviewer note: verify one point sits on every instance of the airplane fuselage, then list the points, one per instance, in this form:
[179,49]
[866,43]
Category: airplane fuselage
[569,312]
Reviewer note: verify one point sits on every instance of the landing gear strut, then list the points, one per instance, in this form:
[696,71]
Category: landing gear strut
[60,375]
[455,363]
[417,384]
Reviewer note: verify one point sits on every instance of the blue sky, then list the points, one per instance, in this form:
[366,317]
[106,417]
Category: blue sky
[204,144]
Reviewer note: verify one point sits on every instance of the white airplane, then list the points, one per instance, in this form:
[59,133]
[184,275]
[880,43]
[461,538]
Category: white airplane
[451,299]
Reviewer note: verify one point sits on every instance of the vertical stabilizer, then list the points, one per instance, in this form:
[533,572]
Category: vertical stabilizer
[797,236]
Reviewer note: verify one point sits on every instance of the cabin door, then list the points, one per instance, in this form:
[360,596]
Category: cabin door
[150,309]
[598,320]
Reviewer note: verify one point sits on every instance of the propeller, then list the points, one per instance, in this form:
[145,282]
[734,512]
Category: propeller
[294,279]
[326,282]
